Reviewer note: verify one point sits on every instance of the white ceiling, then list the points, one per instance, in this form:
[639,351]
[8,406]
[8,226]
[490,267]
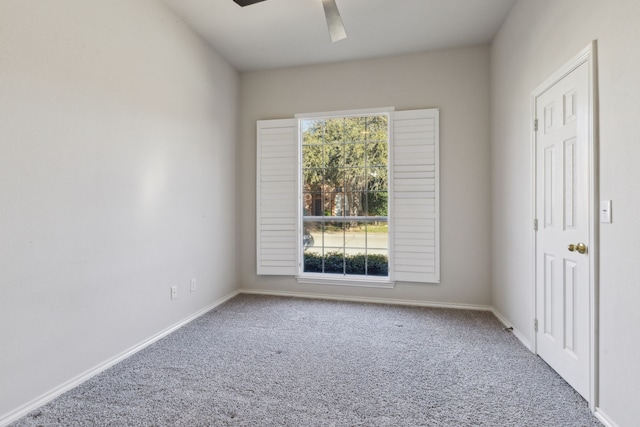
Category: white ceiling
[278,33]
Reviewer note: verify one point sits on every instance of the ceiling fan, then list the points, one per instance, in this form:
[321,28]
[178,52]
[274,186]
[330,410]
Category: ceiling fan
[334,21]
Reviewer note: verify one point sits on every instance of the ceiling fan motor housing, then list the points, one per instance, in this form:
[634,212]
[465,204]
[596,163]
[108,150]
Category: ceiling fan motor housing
[244,3]
[334,21]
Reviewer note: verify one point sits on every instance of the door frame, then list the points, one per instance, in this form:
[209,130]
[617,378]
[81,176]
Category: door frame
[587,55]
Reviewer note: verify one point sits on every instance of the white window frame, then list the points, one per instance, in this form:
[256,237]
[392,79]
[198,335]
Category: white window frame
[414,198]
[331,278]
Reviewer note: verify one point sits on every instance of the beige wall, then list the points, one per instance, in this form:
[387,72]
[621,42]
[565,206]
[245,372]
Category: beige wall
[117,180]
[121,175]
[538,37]
[457,82]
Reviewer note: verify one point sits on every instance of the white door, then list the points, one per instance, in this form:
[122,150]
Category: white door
[562,211]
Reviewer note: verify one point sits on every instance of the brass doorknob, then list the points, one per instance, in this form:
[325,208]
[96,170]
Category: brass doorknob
[580,247]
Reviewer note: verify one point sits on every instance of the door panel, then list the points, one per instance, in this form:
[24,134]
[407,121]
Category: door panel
[562,207]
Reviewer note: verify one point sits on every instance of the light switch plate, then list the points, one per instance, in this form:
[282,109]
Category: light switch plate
[605,211]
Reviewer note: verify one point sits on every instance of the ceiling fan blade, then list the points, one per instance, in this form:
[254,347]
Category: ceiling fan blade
[244,3]
[334,21]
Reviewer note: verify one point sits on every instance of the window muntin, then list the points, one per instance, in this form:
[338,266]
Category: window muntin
[345,195]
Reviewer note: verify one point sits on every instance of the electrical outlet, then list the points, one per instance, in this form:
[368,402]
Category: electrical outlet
[174,292]
[193,285]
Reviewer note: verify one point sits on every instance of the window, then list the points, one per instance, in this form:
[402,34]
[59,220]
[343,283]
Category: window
[340,201]
[344,195]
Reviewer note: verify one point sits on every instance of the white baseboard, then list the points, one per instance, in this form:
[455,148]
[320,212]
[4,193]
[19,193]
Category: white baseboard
[515,332]
[368,300]
[23,410]
[604,418]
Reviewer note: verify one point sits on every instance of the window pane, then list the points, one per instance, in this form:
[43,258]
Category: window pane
[334,131]
[312,204]
[355,179]
[355,129]
[312,246]
[334,261]
[312,156]
[313,262]
[377,179]
[334,155]
[356,264]
[334,204]
[377,128]
[355,155]
[333,234]
[378,264]
[312,131]
[355,203]
[355,237]
[377,203]
[313,179]
[307,202]
[377,154]
[312,238]
[333,179]
[378,237]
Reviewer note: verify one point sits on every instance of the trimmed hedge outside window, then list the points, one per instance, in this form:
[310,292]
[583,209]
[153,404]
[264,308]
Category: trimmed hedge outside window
[336,263]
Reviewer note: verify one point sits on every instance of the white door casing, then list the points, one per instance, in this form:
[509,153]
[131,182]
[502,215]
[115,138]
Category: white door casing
[564,200]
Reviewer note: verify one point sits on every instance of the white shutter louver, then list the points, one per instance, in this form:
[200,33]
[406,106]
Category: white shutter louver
[415,215]
[276,197]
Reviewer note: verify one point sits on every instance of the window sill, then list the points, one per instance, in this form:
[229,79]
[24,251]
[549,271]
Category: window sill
[338,280]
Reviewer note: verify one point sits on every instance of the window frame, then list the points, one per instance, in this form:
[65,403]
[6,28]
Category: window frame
[344,279]
[414,211]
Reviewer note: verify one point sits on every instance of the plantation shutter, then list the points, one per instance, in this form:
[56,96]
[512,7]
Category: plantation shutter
[416,210]
[276,197]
